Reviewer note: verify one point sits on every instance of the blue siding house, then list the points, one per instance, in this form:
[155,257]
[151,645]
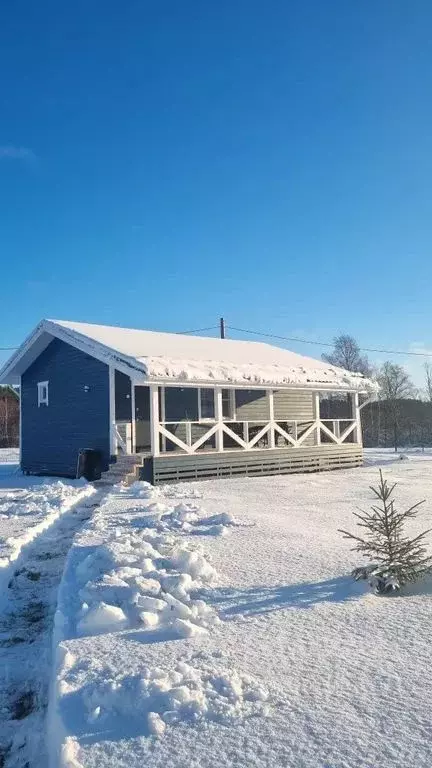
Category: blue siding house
[75,416]
[180,406]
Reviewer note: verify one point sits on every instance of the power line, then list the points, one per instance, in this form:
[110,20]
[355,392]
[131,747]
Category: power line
[283,338]
[327,343]
[198,330]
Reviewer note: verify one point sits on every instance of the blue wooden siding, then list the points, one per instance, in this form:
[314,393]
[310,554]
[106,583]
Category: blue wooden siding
[75,418]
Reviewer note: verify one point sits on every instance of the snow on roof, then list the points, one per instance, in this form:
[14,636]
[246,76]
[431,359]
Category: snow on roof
[180,357]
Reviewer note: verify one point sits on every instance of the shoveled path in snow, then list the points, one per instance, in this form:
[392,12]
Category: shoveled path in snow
[26,621]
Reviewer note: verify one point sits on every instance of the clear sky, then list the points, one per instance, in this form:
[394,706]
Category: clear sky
[163,163]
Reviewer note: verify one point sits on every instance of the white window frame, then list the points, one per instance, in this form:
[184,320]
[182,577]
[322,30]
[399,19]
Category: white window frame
[232,414]
[200,416]
[43,393]
[232,410]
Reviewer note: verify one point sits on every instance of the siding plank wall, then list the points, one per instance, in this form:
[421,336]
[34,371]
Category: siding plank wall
[293,404]
[251,405]
[297,405]
[75,418]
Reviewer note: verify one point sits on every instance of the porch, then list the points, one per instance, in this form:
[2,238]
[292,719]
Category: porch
[232,430]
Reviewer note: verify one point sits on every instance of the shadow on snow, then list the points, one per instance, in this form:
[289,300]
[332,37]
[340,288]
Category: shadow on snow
[260,600]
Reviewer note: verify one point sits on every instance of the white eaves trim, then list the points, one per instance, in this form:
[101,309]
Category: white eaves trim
[45,332]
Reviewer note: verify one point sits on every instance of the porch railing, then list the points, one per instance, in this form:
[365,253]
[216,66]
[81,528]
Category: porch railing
[250,434]
[123,438]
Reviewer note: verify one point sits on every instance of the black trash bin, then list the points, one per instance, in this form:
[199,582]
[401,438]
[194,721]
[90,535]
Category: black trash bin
[89,464]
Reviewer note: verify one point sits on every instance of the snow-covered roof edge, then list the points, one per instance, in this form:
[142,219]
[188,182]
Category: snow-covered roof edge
[165,370]
[44,333]
[311,374]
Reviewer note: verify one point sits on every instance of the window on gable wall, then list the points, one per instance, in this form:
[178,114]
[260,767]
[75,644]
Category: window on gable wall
[42,388]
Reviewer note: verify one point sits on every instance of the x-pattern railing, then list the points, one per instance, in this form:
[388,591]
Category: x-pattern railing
[301,430]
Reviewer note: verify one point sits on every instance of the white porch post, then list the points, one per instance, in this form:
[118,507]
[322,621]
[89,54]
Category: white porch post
[133,417]
[219,418]
[163,416]
[154,419]
[112,421]
[317,416]
[357,417]
[271,438]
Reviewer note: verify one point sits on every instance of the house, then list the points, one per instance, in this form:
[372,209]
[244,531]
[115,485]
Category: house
[180,406]
[9,417]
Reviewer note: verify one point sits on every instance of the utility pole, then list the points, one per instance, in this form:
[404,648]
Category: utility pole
[222,328]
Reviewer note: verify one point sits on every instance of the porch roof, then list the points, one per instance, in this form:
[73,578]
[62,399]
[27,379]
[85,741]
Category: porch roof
[170,358]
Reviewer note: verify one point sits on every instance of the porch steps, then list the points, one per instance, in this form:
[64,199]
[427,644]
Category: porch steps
[125,470]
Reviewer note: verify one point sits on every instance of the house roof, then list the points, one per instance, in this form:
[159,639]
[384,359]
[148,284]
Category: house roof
[171,357]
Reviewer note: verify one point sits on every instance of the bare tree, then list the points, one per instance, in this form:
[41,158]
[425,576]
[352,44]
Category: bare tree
[347,354]
[428,380]
[396,385]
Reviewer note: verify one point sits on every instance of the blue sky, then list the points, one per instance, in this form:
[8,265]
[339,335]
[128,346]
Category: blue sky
[163,163]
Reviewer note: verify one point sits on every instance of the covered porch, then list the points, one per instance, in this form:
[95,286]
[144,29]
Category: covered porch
[170,420]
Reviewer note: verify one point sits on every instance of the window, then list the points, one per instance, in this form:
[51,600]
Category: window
[228,403]
[206,404]
[42,393]
[181,404]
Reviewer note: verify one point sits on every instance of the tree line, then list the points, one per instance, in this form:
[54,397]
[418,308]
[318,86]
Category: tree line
[9,417]
[402,414]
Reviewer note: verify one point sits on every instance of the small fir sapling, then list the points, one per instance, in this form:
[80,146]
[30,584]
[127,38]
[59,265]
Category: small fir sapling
[396,559]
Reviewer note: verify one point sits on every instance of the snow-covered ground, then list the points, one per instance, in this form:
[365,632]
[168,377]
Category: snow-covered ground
[38,519]
[29,505]
[8,456]
[208,624]
[216,624]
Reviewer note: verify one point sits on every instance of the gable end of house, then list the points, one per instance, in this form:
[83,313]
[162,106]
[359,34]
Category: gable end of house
[73,414]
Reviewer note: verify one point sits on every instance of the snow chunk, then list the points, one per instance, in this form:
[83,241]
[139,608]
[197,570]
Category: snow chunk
[102,618]
[186,628]
[149,619]
[194,563]
[69,754]
[147,586]
[150,603]
[156,725]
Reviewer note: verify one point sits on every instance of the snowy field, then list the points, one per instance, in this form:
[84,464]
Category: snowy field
[215,624]
[274,658]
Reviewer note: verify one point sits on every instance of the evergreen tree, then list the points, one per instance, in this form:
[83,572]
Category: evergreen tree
[397,559]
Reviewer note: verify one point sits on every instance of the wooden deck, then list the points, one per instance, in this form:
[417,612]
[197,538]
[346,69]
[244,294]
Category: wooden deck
[180,467]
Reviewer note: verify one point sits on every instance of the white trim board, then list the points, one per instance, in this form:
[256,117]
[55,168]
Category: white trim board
[42,336]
